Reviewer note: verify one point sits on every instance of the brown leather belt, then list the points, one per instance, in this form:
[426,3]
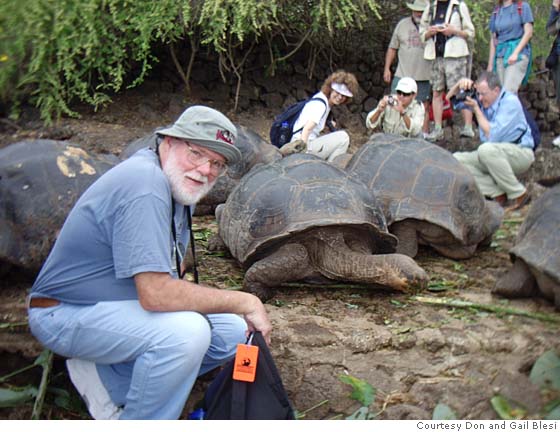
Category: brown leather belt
[42,302]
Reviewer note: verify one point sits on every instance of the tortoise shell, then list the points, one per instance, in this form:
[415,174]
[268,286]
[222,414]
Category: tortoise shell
[40,180]
[414,179]
[277,202]
[538,240]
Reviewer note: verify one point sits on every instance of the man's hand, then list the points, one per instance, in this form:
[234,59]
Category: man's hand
[432,30]
[471,103]
[462,84]
[383,103]
[387,74]
[257,319]
[449,30]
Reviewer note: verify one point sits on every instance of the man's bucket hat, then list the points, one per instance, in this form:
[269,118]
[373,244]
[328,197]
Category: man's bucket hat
[207,128]
[418,5]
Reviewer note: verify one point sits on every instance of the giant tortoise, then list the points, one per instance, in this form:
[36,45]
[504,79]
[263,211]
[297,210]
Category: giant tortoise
[301,218]
[427,196]
[40,180]
[536,254]
[254,150]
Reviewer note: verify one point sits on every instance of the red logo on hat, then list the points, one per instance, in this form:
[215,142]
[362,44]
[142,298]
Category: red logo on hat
[224,135]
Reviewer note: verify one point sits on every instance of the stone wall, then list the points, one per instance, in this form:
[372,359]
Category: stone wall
[294,81]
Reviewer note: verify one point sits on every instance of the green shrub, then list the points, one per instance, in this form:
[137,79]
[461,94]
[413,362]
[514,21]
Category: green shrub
[56,52]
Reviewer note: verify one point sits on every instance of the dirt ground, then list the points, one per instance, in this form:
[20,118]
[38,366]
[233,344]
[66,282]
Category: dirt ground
[415,354]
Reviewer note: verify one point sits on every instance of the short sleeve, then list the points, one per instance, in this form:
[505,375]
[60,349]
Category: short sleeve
[142,237]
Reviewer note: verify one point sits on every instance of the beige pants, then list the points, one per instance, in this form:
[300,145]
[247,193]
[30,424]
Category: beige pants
[512,76]
[495,166]
[330,145]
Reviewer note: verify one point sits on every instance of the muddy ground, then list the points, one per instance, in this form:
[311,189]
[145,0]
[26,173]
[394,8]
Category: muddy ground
[415,354]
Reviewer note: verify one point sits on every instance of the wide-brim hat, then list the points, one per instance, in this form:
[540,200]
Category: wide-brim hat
[418,5]
[206,127]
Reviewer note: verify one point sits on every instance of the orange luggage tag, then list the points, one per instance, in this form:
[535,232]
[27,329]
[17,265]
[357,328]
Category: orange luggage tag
[245,365]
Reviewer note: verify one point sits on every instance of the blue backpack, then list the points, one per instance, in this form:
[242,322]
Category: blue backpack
[282,128]
[535,132]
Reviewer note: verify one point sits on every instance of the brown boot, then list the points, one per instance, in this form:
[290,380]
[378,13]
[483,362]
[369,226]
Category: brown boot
[501,199]
[520,201]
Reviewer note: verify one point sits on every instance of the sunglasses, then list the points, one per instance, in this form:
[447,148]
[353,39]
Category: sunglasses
[402,93]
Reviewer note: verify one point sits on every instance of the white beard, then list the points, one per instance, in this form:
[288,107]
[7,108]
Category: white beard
[176,178]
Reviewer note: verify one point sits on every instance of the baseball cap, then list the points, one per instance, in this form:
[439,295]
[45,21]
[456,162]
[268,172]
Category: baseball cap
[206,127]
[407,85]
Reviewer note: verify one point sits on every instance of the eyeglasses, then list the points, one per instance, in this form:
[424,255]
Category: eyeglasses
[402,93]
[197,158]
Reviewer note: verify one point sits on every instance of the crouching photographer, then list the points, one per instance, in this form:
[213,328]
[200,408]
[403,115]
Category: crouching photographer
[399,114]
[507,143]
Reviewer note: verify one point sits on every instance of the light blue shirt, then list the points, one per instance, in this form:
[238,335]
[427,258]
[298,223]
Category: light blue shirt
[507,121]
[120,226]
[507,23]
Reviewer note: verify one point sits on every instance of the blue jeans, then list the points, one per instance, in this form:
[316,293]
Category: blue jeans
[148,361]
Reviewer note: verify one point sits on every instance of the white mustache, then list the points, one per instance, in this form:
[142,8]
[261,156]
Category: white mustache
[197,177]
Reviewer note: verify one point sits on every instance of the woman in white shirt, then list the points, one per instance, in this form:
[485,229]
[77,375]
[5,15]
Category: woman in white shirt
[338,89]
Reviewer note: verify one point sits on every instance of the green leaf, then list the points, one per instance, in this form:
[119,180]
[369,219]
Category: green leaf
[546,371]
[43,359]
[443,412]
[362,391]
[13,398]
[361,413]
[554,414]
[505,410]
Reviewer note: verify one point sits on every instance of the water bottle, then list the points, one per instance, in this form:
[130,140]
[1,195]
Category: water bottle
[283,134]
[197,414]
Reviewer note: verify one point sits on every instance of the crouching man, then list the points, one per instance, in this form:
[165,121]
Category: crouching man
[507,142]
[399,114]
[110,296]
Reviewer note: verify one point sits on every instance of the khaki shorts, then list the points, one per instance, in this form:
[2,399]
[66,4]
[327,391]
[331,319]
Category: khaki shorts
[446,72]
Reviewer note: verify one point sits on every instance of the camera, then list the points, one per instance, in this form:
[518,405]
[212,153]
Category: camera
[392,100]
[458,101]
[464,93]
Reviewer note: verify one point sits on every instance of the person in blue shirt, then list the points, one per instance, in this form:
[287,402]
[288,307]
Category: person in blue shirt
[553,28]
[507,143]
[511,28]
[110,297]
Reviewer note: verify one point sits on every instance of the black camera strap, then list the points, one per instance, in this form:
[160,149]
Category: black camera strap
[176,252]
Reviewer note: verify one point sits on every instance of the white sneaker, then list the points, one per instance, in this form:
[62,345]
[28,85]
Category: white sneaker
[435,135]
[556,141]
[85,378]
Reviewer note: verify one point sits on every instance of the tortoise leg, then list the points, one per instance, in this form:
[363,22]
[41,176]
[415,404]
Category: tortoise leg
[518,282]
[408,239]
[288,263]
[455,252]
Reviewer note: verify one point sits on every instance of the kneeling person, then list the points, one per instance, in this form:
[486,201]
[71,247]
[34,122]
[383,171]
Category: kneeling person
[507,142]
[399,114]
[110,296]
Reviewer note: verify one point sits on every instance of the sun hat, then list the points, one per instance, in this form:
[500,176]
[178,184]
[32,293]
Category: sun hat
[206,127]
[342,89]
[418,5]
[407,85]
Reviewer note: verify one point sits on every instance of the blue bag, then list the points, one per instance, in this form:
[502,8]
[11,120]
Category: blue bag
[282,128]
